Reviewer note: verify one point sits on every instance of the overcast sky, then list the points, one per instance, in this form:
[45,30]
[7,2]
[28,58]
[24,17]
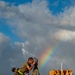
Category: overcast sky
[28,28]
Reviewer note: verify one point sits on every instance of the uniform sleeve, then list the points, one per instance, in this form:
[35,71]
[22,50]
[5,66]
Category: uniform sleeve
[25,64]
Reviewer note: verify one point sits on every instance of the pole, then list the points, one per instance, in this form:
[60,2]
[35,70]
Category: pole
[61,68]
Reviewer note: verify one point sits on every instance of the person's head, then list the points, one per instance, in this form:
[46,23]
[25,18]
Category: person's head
[13,69]
[36,64]
[36,61]
[30,60]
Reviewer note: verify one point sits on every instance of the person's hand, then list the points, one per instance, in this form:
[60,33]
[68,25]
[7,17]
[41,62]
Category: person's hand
[34,63]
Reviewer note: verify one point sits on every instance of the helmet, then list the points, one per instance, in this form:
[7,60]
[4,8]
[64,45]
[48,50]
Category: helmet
[13,69]
[35,59]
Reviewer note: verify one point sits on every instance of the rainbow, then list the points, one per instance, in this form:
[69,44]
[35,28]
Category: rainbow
[50,52]
[47,56]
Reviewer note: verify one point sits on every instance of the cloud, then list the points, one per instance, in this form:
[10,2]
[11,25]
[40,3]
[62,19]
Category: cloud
[65,35]
[26,53]
[68,17]
[39,28]
[10,54]
[4,55]
[3,4]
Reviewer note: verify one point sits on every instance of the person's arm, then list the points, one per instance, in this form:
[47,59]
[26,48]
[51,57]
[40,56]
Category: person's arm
[29,68]
[15,73]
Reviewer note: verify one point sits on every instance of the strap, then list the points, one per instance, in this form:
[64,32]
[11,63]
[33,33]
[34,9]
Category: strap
[20,72]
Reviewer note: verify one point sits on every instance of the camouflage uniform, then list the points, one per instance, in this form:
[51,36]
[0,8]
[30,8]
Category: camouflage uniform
[24,69]
[35,72]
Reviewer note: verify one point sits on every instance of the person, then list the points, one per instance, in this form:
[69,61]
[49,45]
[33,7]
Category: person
[26,67]
[15,71]
[35,69]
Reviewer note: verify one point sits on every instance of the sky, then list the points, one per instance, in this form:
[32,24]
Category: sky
[29,27]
